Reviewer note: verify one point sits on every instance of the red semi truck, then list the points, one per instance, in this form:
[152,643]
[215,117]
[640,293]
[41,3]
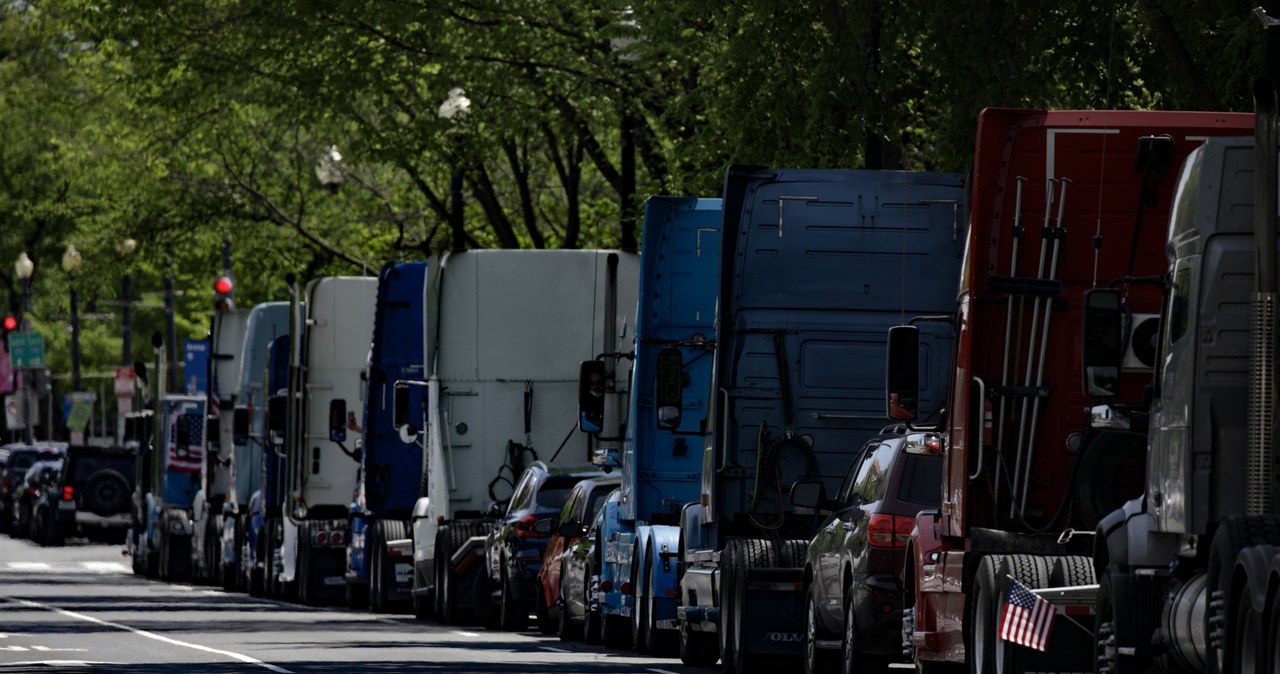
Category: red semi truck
[1063,202]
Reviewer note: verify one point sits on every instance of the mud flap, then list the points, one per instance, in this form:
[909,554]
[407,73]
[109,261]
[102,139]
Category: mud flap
[1070,649]
[774,620]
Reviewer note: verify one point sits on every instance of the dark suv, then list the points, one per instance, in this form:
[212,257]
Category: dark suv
[514,548]
[21,458]
[854,598]
[91,497]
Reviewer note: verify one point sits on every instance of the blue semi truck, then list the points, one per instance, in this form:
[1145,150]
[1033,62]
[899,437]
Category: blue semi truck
[265,529]
[661,453]
[391,469]
[813,273]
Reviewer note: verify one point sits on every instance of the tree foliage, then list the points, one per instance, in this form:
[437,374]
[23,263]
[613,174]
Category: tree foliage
[181,124]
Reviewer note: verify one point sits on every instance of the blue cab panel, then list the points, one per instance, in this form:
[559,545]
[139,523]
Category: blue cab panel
[392,469]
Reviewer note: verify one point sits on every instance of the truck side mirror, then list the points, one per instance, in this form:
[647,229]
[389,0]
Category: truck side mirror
[670,388]
[240,426]
[902,374]
[277,408]
[1102,342]
[338,420]
[591,396]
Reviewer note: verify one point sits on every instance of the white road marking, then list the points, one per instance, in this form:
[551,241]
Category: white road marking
[65,567]
[46,649]
[150,635]
[59,663]
[467,634]
[660,671]
[554,650]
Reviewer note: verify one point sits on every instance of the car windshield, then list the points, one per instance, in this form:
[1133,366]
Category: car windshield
[921,479]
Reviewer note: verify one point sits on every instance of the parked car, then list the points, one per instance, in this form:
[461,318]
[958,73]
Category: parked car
[585,500]
[37,478]
[91,496]
[578,615]
[854,596]
[21,457]
[514,549]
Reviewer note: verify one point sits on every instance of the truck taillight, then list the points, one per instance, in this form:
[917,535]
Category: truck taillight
[68,493]
[337,538]
[887,531]
[321,537]
[524,528]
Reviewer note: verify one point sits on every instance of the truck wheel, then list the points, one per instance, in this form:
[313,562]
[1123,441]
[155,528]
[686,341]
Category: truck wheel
[1234,534]
[302,566]
[816,660]
[1071,571]
[697,649]
[374,557]
[743,554]
[1249,600]
[852,661]
[662,643]
[640,602]
[983,621]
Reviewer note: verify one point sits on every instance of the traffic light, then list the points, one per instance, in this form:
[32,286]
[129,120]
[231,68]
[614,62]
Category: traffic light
[9,325]
[223,295]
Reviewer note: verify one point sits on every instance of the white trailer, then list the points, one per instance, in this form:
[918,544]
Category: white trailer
[329,352]
[506,332]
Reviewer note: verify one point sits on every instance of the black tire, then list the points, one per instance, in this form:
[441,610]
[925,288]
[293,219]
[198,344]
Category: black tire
[816,660]
[983,616]
[302,566]
[513,614]
[356,597]
[449,608]
[697,649]
[1234,534]
[640,602]
[22,528]
[744,554]
[615,631]
[232,581]
[375,554]
[852,660]
[1272,661]
[540,611]
[566,629]
[105,492]
[728,573]
[1071,571]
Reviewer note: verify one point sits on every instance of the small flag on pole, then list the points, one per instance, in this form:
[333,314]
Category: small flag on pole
[1027,617]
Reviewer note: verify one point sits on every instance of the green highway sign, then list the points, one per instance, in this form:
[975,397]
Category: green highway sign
[26,349]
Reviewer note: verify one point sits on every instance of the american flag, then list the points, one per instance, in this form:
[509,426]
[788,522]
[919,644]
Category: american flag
[185,456]
[1027,617]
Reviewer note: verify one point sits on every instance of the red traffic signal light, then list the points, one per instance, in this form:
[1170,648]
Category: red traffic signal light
[10,323]
[223,299]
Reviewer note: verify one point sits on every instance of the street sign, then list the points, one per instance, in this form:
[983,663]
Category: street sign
[125,381]
[13,412]
[26,349]
[78,409]
[196,366]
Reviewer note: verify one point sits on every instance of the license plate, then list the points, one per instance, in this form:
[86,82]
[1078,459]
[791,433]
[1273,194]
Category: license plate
[66,505]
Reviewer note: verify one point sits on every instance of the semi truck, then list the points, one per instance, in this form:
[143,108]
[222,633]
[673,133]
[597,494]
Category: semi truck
[245,433]
[1064,202]
[321,459]
[505,333]
[261,556]
[391,469]
[226,338]
[666,422]
[815,266]
[159,541]
[1199,543]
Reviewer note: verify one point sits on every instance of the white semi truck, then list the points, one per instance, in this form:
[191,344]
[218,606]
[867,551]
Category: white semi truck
[506,332]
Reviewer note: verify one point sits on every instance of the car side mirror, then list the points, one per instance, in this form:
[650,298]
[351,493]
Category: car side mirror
[338,420]
[591,396]
[240,426]
[670,388]
[543,526]
[902,373]
[1102,342]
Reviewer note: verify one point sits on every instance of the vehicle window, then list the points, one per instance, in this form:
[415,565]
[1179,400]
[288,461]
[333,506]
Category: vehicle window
[85,466]
[570,511]
[22,461]
[921,479]
[854,468]
[870,482]
[596,500]
[555,491]
[521,494]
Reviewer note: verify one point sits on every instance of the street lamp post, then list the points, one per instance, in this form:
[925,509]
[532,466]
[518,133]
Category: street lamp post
[455,110]
[126,248]
[24,268]
[71,264]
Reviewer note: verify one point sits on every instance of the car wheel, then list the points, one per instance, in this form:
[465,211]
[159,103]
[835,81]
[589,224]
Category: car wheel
[566,629]
[852,661]
[512,615]
[816,660]
[545,626]
[591,627]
